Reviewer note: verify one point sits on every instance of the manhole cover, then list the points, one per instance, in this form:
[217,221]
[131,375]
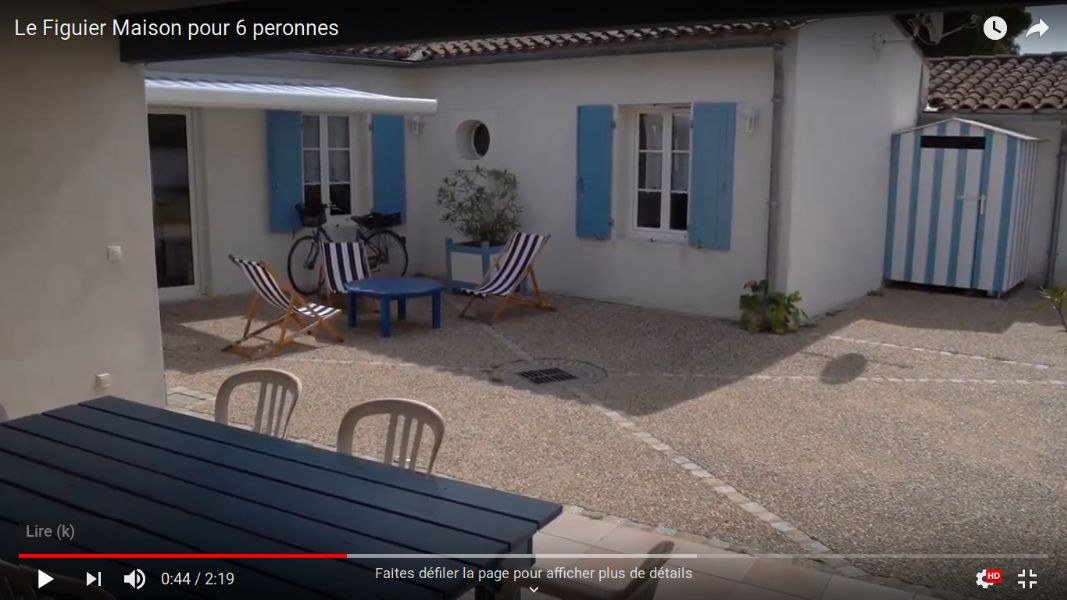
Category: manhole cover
[540,376]
[548,372]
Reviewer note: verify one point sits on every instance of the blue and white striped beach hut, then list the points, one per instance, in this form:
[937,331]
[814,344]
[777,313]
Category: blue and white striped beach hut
[960,195]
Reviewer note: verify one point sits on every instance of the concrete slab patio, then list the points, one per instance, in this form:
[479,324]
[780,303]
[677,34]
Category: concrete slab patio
[908,424]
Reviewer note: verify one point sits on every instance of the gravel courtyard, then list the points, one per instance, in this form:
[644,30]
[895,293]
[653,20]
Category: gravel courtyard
[909,423]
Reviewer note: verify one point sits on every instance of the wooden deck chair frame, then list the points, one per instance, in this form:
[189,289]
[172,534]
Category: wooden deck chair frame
[291,324]
[513,298]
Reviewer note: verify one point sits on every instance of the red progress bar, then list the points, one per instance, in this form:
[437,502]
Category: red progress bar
[180,555]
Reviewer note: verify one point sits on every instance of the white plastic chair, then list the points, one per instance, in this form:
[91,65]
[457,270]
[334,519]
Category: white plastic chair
[279,392]
[414,414]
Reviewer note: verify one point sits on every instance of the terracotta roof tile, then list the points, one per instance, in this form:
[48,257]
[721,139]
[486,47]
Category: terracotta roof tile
[1026,82]
[528,46]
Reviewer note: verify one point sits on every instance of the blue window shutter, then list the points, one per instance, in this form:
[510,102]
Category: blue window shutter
[711,189]
[284,171]
[595,136]
[387,157]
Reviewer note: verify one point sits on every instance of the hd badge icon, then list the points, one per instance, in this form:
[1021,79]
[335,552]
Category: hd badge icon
[989,577]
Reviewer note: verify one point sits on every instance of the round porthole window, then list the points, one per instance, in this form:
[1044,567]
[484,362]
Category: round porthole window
[472,139]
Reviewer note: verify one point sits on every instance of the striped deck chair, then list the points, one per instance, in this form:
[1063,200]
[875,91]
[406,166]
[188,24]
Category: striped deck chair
[300,315]
[513,266]
[343,262]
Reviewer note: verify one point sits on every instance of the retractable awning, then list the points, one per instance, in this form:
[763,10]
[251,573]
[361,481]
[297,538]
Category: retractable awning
[277,95]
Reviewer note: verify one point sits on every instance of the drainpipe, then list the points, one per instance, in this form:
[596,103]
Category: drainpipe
[1057,207]
[774,206]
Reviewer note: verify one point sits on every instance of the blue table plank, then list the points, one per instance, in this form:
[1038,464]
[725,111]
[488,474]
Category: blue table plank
[95,533]
[110,570]
[197,517]
[155,481]
[373,508]
[256,478]
[537,512]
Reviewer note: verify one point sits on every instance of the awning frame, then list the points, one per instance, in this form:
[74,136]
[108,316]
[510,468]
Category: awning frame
[222,91]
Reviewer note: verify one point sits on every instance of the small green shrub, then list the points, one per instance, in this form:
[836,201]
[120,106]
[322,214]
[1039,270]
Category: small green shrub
[1055,297]
[764,311]
[482,204]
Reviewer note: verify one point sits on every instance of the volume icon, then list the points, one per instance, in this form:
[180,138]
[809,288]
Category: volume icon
[134,579]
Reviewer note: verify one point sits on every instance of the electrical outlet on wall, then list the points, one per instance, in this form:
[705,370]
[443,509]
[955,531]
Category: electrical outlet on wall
[103,380]
[114,253]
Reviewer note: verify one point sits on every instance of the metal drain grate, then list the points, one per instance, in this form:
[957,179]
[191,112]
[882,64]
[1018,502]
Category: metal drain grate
[546,373]
[541,376]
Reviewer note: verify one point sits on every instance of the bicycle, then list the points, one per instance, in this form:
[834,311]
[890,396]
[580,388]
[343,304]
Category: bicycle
[387,252]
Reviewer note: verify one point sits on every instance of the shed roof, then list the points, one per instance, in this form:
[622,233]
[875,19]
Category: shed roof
[1028,82]
[974,123]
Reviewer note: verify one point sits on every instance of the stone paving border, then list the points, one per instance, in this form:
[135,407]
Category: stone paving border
[834,563]
[789,530]
[181,400]
[1006,361]
[783,527]
[861,379]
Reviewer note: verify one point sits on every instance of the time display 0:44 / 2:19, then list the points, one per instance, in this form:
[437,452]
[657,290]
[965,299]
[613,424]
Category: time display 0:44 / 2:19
[195,578]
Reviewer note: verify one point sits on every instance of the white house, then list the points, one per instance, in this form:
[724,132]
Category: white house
[1027,94]
[777,136]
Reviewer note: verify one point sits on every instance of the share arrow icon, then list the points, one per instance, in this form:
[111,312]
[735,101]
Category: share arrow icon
[1039,28]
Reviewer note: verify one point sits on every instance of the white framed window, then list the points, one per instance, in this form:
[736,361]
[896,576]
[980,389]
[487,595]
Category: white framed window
[661,186]
[327,162]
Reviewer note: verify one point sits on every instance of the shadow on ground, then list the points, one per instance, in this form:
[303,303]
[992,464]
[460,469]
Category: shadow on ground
[630,342]
[908,422]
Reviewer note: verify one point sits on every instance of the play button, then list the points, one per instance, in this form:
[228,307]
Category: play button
[43,579]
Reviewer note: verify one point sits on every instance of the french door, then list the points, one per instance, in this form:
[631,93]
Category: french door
[173,204]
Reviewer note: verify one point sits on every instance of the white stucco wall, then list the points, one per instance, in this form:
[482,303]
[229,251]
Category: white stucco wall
[1048,130]
[232,170]
[843,102]
[531,111]
[74,162]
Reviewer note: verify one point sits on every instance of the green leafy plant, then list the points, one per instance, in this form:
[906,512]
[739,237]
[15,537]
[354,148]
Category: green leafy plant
[481,204]
[1056,297]
[762,310]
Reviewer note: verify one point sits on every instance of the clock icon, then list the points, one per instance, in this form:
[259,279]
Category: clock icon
[995,28]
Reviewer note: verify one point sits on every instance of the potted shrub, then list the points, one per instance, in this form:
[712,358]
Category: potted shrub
[1056,299]
[763,310]
[482,205]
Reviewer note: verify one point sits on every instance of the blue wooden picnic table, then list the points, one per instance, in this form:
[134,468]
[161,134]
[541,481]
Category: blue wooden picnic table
[137,479]
[390,289]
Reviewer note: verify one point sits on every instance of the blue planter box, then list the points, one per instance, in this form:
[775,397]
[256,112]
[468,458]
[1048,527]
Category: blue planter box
[469,265]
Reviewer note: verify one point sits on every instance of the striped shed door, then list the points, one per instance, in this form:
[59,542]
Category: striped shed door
[935,195]
[960,194]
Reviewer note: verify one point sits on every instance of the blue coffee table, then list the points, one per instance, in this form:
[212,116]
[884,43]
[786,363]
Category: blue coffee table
[387,289]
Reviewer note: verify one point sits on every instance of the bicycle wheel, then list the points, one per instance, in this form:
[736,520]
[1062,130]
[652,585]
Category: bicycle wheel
[386,253]
[304,272]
